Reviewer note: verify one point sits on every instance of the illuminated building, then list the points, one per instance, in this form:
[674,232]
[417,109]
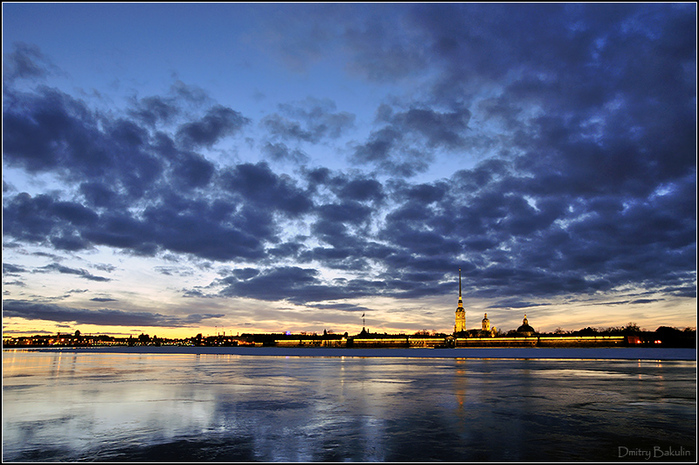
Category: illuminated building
[485,324]
[525,329]
[486,329]
[460,324]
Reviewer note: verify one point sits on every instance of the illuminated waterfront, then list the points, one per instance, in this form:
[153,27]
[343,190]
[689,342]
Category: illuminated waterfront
[166,406]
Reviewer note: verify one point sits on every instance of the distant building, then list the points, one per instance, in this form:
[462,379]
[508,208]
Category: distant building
[460,323]
[485,324]
[525,329]
[486,329]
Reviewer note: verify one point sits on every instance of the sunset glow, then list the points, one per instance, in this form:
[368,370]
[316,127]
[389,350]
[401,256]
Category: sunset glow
[175,169]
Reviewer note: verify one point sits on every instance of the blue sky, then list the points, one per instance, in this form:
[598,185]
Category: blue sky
[185,168]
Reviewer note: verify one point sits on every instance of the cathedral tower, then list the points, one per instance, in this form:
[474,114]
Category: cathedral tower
[460,312]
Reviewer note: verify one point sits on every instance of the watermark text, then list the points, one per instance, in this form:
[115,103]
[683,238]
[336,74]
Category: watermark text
[655,452]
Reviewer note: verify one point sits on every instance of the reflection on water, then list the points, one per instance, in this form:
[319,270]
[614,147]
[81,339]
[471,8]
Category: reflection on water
[81,406]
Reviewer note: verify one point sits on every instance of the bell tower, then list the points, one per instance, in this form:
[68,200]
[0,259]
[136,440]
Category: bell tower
[485,324]
[460,323]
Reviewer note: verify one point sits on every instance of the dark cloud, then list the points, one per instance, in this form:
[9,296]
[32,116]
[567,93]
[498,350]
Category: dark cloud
[188,94]
[278,284]
[173,271]
[9,269]
[246,273]
[13,283]
[105,317]
[317,177]
[514,303]
[360,190]
[302,285]
[286,249]
[178,103]
[379,147]
[341,307]
[105,267]
[280,152]
[618,302]
[51,131]
[531,243]
[99,194]
[120,162]
[310,121]
[438,129]
[40,219]
[57,267]
[26,62]
[645,301]
[347,212]
[187,169]
[218,122]
[305,286]
[192,170]
[425,193]
[154,110]
[260,186]
[48,128]
[197,228]
[405,144]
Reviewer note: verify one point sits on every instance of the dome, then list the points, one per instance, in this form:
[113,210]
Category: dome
[525,328]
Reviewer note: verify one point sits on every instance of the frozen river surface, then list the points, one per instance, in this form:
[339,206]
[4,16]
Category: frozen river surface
[168,406]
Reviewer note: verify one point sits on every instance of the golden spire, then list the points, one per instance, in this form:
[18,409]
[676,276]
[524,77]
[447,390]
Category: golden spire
[461,303]
[460,321]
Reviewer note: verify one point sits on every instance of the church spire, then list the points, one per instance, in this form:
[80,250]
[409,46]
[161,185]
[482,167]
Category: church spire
[460,322]
[461,303]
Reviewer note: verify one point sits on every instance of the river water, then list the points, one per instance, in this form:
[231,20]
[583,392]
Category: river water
[92,406]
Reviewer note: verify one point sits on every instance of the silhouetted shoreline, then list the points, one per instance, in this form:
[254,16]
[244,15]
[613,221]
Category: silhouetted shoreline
[621,353]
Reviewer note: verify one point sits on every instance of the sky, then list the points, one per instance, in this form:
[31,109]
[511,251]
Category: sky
[174,169]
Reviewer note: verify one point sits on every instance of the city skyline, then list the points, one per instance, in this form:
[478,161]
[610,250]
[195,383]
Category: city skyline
[175,169]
